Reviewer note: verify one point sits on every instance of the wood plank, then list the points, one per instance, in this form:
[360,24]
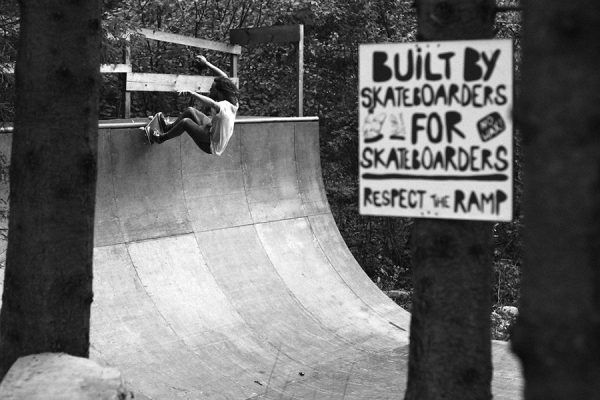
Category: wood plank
[9,68]
[115,68]
[123,80]
[270,34]
[149,82]
[190,41]
[235,58]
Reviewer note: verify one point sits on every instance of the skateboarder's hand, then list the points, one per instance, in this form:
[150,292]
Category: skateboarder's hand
[202,60]
[184,92]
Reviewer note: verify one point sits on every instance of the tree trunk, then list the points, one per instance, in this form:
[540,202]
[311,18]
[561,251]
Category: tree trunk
[557,335]
[450,339]
[48,278]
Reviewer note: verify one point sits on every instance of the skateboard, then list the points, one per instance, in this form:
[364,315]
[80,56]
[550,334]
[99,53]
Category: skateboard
[152,128]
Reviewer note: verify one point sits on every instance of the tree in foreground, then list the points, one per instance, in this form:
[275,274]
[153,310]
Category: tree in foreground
[557,335]
[48,278]
[450,339]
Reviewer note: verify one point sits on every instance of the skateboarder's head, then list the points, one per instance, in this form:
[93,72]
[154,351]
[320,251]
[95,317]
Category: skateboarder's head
[224,89]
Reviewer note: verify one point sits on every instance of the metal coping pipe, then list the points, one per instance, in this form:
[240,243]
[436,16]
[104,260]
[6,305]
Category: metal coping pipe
[140,123]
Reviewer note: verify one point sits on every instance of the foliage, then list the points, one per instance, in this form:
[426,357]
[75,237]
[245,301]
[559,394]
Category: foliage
[3,210]
[502,319]
[507,276]
[9,31]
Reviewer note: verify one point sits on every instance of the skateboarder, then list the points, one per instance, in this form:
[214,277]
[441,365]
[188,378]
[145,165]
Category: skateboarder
[211,134]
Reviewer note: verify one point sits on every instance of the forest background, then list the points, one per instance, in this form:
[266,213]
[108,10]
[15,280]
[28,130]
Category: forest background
[333,30]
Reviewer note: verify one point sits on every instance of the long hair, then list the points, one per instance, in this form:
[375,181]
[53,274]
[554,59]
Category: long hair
[228,89]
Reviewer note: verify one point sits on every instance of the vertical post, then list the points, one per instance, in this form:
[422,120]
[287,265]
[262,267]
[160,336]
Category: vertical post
[235,58]
[301,71]
[126,93]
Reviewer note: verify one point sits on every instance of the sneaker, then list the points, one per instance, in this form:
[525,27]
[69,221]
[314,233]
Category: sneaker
[161,121]
[155,137]
[147,134]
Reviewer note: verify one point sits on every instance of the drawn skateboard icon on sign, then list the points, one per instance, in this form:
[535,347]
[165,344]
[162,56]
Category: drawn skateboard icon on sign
[373,126]
[398,129]
[490,126]
[153,129]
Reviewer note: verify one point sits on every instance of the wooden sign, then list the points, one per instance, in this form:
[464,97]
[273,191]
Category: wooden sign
[435,130]
[269,34]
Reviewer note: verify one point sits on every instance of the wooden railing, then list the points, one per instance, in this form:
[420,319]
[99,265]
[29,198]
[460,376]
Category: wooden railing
[154,82]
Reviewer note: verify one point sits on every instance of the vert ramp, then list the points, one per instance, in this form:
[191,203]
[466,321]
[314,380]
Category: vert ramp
[226,277]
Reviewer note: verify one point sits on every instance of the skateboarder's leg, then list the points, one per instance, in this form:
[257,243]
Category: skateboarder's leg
[202,138]
[199,133]
[192,113]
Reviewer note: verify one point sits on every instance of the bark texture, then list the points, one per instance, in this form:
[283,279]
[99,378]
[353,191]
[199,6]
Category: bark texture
[557,336]
[48,278]
[450,339]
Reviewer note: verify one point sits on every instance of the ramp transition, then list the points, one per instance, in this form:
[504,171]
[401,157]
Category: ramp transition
[226,277]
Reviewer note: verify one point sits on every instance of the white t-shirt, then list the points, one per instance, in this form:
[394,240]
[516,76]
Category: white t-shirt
[222,126]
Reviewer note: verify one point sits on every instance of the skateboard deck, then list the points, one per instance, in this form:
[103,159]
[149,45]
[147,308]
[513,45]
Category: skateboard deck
[152,128]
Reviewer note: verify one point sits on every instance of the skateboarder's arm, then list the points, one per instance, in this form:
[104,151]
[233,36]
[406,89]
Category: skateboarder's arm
[205,99]
[216,69]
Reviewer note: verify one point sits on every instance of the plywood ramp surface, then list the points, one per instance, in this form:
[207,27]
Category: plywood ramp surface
[227,278]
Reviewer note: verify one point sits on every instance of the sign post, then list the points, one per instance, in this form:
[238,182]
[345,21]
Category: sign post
[436,132]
